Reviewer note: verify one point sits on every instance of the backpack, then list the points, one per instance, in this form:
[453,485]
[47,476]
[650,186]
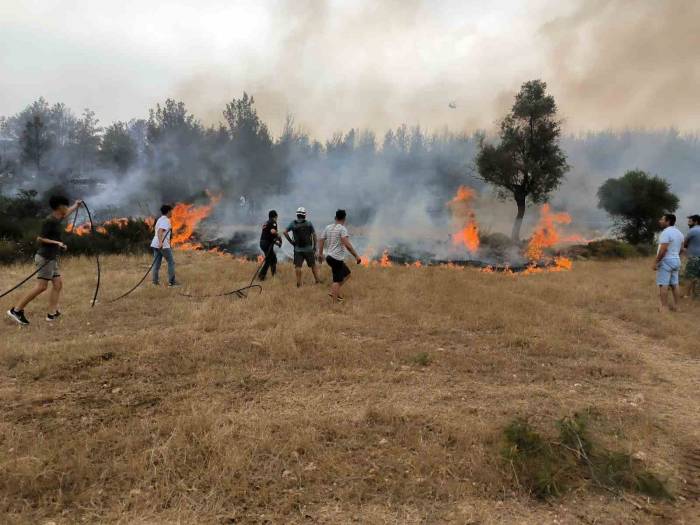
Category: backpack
[303,232]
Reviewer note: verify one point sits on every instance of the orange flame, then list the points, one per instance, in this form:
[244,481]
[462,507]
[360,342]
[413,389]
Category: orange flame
[84,228]
[384,262]
[185,219]
[364,260]
[546,234]
[468,235]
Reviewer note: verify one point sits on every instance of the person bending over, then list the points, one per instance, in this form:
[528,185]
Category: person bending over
[304,242]
[161,246]
[335,236]
[46,258]
[268,238]
[668,261]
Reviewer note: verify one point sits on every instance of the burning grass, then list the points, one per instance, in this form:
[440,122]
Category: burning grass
[389,408]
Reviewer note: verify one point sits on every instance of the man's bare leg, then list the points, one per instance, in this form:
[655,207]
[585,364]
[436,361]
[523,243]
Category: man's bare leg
[335,292]
[55,295]
[335,288]
[663,298]
[298,274]
[690,290]
[674,291]
[41,286]
[314,269]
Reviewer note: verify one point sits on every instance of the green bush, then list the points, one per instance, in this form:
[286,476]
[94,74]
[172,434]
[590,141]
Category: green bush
[609,249]
[612,249]
[8,251]
[548,468]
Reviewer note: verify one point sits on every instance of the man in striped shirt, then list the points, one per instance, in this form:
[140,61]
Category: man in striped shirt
[335,236]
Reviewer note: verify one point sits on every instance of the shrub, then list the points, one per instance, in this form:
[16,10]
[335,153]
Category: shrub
[422,359]
[550,467]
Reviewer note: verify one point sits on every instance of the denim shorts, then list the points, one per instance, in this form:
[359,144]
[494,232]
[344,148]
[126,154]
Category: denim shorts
[667,272]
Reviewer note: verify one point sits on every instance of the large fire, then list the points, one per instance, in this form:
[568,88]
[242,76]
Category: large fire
[185,219]
[464,216]
[546,234]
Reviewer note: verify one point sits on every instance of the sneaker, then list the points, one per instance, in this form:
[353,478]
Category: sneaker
[17,316]
[155,284]
[53,317]
[340,299]
[174,285]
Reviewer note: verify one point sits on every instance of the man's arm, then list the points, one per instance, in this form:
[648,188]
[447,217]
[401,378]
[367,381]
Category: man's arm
[663,248]
[346,242]
[286,236]
[74,207]
[314,240]
[44,240]
[320,249]
[161,237]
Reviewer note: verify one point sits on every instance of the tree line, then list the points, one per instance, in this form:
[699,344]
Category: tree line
[177,156]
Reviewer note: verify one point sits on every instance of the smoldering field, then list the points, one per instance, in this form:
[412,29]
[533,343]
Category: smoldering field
[387,409]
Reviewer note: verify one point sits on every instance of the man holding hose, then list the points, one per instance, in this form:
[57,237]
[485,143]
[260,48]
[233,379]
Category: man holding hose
[161,246]
[46,260]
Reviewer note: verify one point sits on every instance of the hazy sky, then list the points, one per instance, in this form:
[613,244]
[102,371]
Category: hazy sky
[339,64]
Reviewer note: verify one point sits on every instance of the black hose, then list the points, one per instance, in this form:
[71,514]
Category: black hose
[75,220]
[144,275]
[97,257]
[239,292]
[25,280]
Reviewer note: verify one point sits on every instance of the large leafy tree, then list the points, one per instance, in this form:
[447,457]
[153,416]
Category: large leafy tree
[250,148]
[118,147]
[85,138]
[527,164]
[635,202]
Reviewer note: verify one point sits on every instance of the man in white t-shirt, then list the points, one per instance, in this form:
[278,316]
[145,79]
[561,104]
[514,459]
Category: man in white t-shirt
[161,246]
[668,261]
[335,236]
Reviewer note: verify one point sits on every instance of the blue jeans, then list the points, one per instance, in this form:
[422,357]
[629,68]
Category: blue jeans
[158,258]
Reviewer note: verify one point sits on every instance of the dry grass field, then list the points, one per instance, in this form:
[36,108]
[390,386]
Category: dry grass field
[390,408]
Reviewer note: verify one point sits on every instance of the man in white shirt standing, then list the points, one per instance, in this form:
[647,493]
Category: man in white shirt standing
[668,261]
[335,236]
[161,246]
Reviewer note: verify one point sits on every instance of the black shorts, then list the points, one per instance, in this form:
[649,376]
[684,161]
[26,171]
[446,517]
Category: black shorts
[340,269]
[300,257]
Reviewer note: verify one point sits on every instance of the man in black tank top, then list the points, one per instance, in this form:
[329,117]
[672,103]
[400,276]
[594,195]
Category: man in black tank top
[268,238]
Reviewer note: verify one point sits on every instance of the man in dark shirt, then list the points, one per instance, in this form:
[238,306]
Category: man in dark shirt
[268,238]
[304,243]
[46,260]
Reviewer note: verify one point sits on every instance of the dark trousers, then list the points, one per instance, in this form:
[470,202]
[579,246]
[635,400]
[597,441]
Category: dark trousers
[270,260]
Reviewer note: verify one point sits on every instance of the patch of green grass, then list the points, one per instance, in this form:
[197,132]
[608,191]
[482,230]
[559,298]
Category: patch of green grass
[548,468]
[422,359]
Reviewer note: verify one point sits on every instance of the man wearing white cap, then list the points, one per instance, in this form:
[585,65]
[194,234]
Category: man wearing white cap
[304,242]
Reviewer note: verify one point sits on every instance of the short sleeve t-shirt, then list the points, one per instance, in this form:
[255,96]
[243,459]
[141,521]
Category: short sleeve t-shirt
[332,236]
[52,229]
[163,223]
[266,236]
[674,238]
[693,239]
[302,230]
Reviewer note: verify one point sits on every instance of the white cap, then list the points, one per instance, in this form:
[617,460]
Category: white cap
[301,210]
